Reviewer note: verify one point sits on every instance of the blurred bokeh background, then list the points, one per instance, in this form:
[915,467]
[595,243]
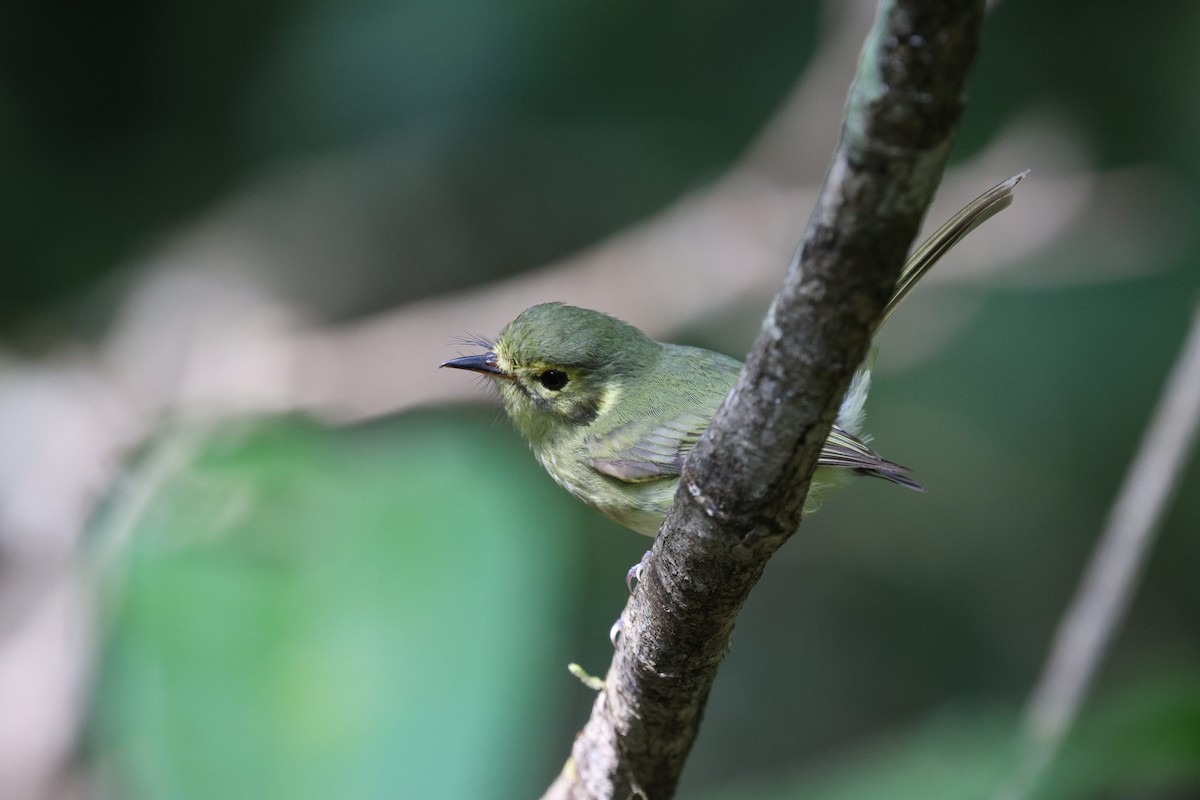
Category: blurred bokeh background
[254,544]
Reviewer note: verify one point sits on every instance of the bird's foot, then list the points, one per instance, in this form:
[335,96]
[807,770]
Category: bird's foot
[634,576]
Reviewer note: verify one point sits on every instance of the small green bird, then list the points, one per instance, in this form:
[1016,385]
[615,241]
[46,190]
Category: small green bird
[611,414]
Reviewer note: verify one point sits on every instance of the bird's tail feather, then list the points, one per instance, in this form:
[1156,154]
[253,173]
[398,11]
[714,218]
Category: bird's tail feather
[974,214]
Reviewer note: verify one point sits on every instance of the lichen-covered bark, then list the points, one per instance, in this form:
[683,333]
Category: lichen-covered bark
[744,485]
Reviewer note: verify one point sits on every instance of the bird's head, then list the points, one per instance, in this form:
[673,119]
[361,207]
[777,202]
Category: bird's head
[558,367]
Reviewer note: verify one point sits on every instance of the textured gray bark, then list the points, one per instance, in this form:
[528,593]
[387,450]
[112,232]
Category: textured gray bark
[743,487]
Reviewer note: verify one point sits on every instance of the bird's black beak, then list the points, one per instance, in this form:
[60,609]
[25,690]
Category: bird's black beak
[485,363]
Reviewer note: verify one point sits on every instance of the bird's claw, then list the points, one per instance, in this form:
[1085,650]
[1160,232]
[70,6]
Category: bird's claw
[614,632]
[634,576]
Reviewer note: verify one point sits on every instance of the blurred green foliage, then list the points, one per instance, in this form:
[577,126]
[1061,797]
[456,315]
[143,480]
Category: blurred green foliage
[387,611]
[1134,745]
[148,115]
[303,613]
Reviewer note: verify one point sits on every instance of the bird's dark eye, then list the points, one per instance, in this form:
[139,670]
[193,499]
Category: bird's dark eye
[553,379]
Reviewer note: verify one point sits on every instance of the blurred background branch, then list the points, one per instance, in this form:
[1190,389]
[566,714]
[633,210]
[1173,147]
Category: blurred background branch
[1110,580]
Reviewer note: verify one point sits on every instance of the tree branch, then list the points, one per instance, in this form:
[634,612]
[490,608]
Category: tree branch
[743,487]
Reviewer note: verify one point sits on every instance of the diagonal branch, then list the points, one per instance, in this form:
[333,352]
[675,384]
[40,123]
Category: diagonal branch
[743,487]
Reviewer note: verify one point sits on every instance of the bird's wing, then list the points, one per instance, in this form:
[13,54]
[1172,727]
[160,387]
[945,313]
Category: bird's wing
[846,451]
[636,456]
[659,453]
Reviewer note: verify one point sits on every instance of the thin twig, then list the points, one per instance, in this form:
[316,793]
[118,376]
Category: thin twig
[1111,579]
